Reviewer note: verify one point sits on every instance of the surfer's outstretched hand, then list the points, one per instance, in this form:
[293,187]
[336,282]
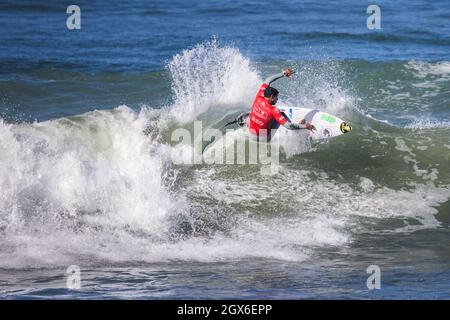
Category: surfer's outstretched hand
[308,125]
[288,72]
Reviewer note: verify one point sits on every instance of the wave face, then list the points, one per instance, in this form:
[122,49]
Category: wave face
[101,187]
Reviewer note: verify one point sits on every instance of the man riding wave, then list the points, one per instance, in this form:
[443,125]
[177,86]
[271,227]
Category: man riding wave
[264,116]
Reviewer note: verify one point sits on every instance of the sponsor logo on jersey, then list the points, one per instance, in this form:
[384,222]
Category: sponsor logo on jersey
[259,122]
[260,112]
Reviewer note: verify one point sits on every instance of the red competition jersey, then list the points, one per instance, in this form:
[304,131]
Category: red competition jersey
[263,113]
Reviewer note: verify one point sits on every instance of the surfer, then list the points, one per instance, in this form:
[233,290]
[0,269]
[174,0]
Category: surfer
[265,117]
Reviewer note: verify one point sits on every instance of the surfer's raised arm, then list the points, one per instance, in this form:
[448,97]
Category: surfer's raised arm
[264,115]
[288,73]
[281,117]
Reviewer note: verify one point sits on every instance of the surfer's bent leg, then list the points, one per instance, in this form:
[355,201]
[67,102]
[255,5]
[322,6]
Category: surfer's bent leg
[242,118]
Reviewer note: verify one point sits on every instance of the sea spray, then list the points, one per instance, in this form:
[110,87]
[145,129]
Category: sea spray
[210,74]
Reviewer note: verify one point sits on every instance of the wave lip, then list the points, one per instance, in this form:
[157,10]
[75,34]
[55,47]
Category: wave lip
[207,75]
[95,188]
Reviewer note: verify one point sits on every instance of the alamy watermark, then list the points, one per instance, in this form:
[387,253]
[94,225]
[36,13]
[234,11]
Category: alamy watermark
[73,22]
[374,20]
[73,281]
[374,280]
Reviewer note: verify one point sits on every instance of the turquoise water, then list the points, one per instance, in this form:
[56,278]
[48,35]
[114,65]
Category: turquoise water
[87,175]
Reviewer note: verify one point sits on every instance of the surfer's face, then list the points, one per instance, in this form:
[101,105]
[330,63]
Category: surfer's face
[273,100]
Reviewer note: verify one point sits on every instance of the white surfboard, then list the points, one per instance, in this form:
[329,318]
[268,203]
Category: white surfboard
[327,126]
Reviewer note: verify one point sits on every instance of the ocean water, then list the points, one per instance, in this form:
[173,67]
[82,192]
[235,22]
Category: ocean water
[87,176]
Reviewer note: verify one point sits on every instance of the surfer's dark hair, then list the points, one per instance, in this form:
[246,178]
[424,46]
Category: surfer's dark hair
[270,92]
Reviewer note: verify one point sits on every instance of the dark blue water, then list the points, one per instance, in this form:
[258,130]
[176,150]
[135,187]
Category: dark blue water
[143,35]
[86,178]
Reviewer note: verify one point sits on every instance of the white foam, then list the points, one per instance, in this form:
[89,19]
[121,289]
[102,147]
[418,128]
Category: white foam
[96,190]
[426,123]
[316,86]
[293,142]
[327,212]
[97,170]
[58,173]
[423,69]
[401,145]
[366,184]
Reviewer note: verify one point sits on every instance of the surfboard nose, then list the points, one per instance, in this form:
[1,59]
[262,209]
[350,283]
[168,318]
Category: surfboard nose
[345,127]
